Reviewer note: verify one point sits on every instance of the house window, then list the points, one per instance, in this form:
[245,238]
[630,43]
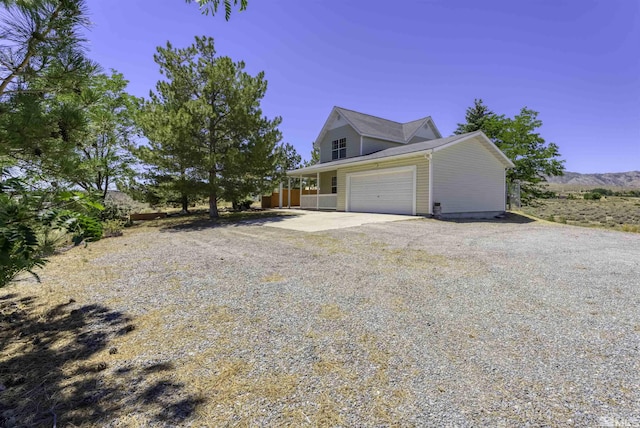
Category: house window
[339,149]
[334,184]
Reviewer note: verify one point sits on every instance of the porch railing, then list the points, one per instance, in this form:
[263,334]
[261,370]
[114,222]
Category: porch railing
[319,202]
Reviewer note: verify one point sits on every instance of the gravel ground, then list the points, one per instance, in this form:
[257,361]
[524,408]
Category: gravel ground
[412,323]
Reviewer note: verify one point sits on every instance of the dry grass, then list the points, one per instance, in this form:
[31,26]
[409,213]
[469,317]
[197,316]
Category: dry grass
[618,213]
[331,312]
[126,371]
[199,218]
[414,259]
[164,333]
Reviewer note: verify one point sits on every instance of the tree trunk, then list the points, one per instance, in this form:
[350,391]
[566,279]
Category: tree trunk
[213,197]
[184,200]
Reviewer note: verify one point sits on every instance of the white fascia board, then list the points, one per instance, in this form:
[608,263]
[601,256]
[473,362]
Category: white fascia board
[435,128]
[332,116]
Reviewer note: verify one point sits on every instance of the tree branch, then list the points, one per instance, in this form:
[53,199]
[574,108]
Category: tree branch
[31,50]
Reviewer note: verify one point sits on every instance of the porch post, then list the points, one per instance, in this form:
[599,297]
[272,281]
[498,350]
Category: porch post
[280,195]
[317,190]
[289,194]
[300,191]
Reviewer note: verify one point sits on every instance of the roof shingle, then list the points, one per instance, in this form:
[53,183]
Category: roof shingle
[381,128]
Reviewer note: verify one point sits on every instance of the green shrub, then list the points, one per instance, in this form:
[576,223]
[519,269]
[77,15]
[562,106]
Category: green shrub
[592,196]
[112,228]
[243,205]
[34,222]
[82,226]
[50,240]
[90,229]
[114,211]
[19,246]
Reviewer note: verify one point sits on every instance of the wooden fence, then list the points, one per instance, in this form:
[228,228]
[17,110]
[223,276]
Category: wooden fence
[273,200]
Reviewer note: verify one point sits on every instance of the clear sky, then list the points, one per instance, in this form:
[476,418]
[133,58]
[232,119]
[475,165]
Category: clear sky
[576,62]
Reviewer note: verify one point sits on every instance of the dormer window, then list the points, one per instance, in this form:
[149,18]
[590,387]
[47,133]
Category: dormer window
[339,149]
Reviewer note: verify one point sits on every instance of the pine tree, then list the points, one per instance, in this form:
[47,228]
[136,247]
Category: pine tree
[479,118]
[207,115]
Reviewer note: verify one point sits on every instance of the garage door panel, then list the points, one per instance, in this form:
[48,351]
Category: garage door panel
[383,192]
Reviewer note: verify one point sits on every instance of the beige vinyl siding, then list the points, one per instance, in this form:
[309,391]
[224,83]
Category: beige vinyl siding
[372,145]
[468,177]
[346,131]
[422,180]
[325,182]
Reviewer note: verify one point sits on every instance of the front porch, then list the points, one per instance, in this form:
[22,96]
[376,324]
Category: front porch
[317,191]
[319,201]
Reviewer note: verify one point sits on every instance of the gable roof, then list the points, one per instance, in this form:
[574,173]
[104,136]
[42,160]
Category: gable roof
[428,146]
[376,127]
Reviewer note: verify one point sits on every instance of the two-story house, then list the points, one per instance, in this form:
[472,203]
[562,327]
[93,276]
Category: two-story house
[370,164]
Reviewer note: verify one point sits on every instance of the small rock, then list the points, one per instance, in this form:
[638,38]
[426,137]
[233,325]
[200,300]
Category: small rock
[113,351]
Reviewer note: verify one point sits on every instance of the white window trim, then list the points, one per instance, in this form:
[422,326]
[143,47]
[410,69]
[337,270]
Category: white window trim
[412,168]
[339,141]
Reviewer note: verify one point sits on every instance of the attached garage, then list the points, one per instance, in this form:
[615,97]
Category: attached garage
[387,190]
[462,175]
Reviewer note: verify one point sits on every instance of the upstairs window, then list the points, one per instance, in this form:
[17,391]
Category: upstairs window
[334,184]
[339,149]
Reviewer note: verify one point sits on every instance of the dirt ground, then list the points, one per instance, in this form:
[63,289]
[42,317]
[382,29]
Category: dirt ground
[410,323]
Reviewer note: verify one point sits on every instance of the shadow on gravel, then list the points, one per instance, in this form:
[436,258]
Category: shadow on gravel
[201,221]
[54,369]
[508,218]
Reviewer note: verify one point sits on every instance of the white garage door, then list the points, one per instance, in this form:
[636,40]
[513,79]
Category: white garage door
[390,190]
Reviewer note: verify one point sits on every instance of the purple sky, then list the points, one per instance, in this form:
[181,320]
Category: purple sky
[576,62]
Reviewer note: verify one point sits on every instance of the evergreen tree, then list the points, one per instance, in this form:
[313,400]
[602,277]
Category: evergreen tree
[41,57]
[480,118]
[207,116]
[41,62]
[315,157]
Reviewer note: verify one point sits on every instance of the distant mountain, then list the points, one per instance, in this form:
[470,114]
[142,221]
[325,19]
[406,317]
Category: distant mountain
[619,179]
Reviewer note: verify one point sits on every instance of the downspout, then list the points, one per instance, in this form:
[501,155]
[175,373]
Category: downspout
[429,156]
[506,193]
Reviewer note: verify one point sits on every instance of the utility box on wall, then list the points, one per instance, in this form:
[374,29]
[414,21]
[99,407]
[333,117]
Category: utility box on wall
[437,210]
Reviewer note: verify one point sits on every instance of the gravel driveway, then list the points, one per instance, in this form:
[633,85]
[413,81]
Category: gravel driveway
[411,323]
